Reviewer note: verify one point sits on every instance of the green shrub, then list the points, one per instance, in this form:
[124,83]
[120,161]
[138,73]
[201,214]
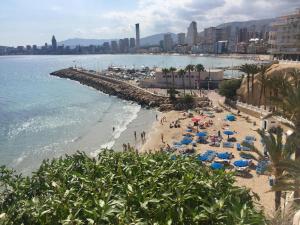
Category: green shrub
[228,88]
[125,188]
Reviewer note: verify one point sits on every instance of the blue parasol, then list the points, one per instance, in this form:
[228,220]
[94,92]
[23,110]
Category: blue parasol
[224,155]
[241,163]
[201,134]
[186,141]
[228,132]
[216,166]
[188,130]
[230,117]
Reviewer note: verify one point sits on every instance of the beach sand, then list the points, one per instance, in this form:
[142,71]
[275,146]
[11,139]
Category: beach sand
[256,183]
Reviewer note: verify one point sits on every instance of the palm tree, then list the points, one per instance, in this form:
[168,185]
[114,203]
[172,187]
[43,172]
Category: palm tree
[247,69]
[165,72]
[295,74]
[190,68]
[277,151]
[182,73]
[254,70]
[263,81]
[172,70]
[199,69]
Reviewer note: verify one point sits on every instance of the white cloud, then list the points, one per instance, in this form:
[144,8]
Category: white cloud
[156,16]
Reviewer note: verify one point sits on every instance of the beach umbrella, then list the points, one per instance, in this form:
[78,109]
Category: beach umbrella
[186,141]
[196,119]
[224,155]
[188,130]
[217,166]
[230,117]
[228,132]
[201,134]
[241,163]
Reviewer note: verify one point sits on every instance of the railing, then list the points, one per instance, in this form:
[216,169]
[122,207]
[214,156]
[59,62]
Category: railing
[264,112]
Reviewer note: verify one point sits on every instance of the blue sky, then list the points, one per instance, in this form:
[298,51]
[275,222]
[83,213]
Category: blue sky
[34,21]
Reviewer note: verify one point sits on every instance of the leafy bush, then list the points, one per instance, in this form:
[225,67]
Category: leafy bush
[228,88]
[124,188]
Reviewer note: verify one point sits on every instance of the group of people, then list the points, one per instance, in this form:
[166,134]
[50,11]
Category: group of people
[162,120]
[175,124]
[143,136]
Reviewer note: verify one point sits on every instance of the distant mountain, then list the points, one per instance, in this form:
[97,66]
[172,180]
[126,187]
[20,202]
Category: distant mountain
[257,23]
[83,42]
[146,41]
[155,39]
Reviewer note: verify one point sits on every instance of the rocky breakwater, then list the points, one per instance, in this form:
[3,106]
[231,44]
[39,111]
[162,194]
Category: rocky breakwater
[114,87]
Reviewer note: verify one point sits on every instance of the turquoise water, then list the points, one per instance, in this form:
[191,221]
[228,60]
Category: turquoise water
[44,117]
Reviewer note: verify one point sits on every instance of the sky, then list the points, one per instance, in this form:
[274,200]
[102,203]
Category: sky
[35,21]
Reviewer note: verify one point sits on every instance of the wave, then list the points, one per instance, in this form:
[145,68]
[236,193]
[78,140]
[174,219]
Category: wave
[107,145]
[126,116]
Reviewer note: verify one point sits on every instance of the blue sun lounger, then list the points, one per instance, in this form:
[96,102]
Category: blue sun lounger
[208,156]
[250,138]
[228,144]
[240,147]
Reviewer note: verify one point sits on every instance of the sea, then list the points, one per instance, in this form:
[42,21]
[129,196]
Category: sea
[44,117]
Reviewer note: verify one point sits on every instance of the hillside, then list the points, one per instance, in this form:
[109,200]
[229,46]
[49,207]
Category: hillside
[274,71]
[145,41]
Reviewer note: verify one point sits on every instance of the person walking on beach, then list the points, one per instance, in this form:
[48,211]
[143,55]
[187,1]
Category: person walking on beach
[144,135]
[135,135]
[156,117]
[113,129]
[162,138]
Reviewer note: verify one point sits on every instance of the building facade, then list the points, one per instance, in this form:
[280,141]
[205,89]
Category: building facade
[192,34]
[168,42]
[208,79]
[181,38]
[284,38]
[137,36]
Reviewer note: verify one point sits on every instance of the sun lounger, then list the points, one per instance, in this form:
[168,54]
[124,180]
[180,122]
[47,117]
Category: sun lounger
[262,166]
[228,144]
[240,147]
[208,156]
[249,142]
[250,138]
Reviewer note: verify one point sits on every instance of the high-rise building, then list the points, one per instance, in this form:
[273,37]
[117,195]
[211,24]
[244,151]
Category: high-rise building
[191,37]
[126,45]
[121,46]
[181,38]
[132,43]
[243,35]
[137,36]
[54,43]
[114,46]
[284,37]
[168,42]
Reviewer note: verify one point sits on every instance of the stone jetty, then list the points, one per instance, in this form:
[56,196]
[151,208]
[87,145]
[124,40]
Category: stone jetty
[114,87]
[119,88]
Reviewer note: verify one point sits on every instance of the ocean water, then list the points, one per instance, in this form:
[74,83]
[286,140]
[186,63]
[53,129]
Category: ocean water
[44,117]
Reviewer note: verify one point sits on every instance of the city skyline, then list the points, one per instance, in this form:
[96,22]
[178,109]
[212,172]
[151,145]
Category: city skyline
[33,22]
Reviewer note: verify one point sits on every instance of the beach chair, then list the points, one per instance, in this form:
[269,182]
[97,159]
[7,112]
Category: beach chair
[262,166]
[250,138]
[249,142]
[228,144]
[240,147]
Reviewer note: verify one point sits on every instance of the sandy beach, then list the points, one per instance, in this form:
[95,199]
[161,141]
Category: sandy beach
[258,184]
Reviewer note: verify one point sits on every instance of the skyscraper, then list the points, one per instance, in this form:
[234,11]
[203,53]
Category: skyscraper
[168,42]
[137,36]
[132,42]
[191,37]
[54,43]
[181,38]
[114,46]
[126,45]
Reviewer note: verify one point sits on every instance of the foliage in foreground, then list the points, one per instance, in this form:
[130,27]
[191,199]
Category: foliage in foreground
[228,88]
[125,188]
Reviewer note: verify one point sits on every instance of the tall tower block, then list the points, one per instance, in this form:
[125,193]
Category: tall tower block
[137,36]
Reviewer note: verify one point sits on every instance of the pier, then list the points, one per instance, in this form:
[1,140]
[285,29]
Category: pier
[115,87]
